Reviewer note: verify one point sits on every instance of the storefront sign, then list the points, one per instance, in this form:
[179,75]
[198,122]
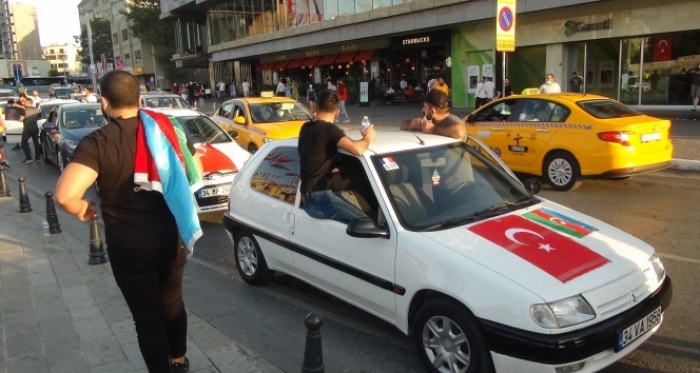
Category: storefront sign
[505,26]
[280,57]
[421,40]
[572,27]
[349,47]
[312,53]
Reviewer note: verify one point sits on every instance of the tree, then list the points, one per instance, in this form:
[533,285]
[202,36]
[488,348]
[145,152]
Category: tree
[54,72]
[144,18]
[101,41]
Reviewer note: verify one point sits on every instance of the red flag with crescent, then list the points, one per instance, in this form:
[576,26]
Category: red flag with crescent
[560,256]
[663,48]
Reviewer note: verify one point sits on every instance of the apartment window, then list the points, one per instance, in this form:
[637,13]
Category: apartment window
[137,56]
[115,39]
[127,56]
[125,34]
[60,51]
[51,51]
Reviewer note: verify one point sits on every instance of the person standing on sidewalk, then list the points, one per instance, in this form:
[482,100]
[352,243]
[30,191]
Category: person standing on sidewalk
[30,129]
[246,88]
[143,233]
[343,92]
[695,86]
[550,86]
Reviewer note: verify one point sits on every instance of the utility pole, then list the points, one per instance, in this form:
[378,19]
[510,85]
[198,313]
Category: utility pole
[155,70]
[91,68]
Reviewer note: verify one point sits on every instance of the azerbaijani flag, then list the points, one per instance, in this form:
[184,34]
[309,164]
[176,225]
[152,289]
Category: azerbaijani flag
[561,223]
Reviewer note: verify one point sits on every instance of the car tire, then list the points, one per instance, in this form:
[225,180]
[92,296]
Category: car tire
[461,345]
[561,171]
[250,261]
[59,161]
[252,148]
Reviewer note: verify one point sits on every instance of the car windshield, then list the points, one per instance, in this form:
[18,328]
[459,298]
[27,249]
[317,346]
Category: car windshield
[64,92]
[46,109]
[201,129]
[279,112]
[166,102]
[607,109]
[82,116]
[441,187]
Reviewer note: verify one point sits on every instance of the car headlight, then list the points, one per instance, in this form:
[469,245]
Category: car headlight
[70,144]
[267,139]
[562,313]
[658,267]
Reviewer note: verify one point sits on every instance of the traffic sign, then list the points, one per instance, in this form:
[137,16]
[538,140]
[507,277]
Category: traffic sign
[505,26]
[119,63]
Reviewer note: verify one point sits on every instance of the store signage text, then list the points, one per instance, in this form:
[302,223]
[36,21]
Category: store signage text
[349,47]
[424,39]
[572,27]
[313,52]
[280,57]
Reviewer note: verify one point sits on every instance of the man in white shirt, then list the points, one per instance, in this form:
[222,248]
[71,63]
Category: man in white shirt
[403,84]
[490,88]
[331,86]
[550,86]
[481,93]
[281,88]
[89,96]
[221,89]
[246,88]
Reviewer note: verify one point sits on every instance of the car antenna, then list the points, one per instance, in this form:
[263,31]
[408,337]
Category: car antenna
[419,139]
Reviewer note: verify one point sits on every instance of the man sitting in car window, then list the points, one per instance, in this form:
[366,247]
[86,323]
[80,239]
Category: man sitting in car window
[319,140]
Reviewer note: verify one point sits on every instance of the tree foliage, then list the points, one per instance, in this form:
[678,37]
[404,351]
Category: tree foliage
[101,41]
[144,18]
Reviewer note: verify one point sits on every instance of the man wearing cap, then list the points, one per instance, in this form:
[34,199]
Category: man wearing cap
[438,119]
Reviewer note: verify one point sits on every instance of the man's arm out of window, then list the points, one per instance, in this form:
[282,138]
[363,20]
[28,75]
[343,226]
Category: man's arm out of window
[456,130]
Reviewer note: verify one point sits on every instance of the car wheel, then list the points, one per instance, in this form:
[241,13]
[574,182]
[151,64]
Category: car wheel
[59,161]
[448,340]
[250,261]
[562,172]
[252,148]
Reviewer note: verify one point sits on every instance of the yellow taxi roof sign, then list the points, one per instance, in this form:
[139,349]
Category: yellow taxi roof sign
[530,91]
[267,94]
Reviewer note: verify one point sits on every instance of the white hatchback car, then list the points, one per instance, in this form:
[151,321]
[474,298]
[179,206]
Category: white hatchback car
[221,157]
[455,250]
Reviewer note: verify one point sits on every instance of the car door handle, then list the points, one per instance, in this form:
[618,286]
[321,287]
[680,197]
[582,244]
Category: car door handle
[542,130]
[290,222]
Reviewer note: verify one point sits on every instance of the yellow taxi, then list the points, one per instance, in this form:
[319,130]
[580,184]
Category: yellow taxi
[259,120]
[569,136]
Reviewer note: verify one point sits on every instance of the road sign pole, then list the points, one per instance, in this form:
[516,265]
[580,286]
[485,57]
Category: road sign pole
[92,57]
[503,78]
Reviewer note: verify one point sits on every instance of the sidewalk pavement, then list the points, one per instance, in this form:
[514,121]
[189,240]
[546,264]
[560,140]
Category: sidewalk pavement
[60,314]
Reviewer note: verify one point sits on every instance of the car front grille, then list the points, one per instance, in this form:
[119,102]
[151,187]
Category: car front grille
[211,201]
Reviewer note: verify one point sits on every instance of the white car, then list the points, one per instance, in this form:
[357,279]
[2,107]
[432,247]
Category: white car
[221,157]
[455,250]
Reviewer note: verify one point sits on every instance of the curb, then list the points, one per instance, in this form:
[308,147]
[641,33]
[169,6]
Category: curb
[686,165]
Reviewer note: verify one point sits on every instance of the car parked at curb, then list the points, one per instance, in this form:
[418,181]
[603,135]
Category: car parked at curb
[566,137]
[455,251]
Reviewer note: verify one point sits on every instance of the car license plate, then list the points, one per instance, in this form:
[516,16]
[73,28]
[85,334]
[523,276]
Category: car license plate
[638,329]
[217,191]
[648,137]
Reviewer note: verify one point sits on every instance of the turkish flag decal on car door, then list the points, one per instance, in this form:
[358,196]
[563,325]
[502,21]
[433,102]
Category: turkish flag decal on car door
[559,256]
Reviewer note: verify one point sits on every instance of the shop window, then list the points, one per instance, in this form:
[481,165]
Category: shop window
[278,175]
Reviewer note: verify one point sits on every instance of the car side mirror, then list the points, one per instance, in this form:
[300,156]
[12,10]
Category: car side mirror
[239,120]
[365,228]
[533,186]
[47,126]
[233,134]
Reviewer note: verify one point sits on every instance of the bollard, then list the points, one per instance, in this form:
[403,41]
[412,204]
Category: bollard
[97,251]
[51,216]
[313,353]
[24,205]
[4,190]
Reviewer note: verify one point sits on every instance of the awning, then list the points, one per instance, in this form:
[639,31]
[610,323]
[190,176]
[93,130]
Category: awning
[295,64]
[265,66]
[327,60]
[311,61]
[345,58]
[281,65]
[365,55]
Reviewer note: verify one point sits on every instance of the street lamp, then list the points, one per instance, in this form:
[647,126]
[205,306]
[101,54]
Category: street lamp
[64,58]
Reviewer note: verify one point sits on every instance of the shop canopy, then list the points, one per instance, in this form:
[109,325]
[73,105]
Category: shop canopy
[311,61]
[295,64]
[345,58]
[365,55]
[265,66]
[327,60]
[281,64]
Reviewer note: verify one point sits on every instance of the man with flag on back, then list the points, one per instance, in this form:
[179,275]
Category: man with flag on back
[147,170]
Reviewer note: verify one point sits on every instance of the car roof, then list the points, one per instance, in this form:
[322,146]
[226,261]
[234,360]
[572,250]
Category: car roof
[158,94]
[178,112]
[81,104]
[261,100]
[389,141]
[58,101]
[572,97]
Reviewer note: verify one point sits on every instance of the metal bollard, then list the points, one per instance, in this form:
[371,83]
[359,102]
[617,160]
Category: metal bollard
[313,352]
[4,190]
[24,205]
[51,216]
[97,251]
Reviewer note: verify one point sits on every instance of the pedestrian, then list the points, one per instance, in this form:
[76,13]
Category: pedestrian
[440,85]
[288,89]
[403,84]
[343,93]
[331,86]
[490,89]
[35,98]
[233,89]
[281,90]
[3,158]
[246,88]
[221,89]
[176,89]
[89,96]
[508,89]
[550,86]
[312,99]
[575,83]
[295,90]
[319,141]
[390,93]
[695,86]
[147,231]
[191,93]
[30,129]
[431,83]
[481,93]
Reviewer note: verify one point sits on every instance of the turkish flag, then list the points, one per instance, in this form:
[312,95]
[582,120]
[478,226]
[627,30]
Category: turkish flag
[559,256]
[663,48]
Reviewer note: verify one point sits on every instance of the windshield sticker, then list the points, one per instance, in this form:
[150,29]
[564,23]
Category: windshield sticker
[561,257]
[436,178]
[389,164]
[561,223]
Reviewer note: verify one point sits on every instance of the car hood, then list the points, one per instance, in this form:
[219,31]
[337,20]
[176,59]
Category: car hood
[552,264]
[279,130]
[77,134]
[223,157]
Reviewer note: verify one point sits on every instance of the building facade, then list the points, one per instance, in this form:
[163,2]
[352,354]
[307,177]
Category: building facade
[25,30]
[63,58]
[637,51]
[6,35]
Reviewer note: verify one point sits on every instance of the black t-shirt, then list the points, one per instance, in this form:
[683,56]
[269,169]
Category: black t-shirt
[133,220]
[696,76]
[318,145]
[31,116]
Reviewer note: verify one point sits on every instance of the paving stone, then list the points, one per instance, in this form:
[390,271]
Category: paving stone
[17,302]
[59,324]
[70,280]
[74,365]
[102,351]
[133,354]
[23,344]
[121,365]
[231,359]
[34,363]
[207,336]
[42,278]
[63,263]
[93,328]
[21,322]
[116,310]
[125,331]
[59,347]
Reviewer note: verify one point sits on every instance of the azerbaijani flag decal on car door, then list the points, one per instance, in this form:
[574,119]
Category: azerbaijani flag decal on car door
[561,257]
[561,223]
